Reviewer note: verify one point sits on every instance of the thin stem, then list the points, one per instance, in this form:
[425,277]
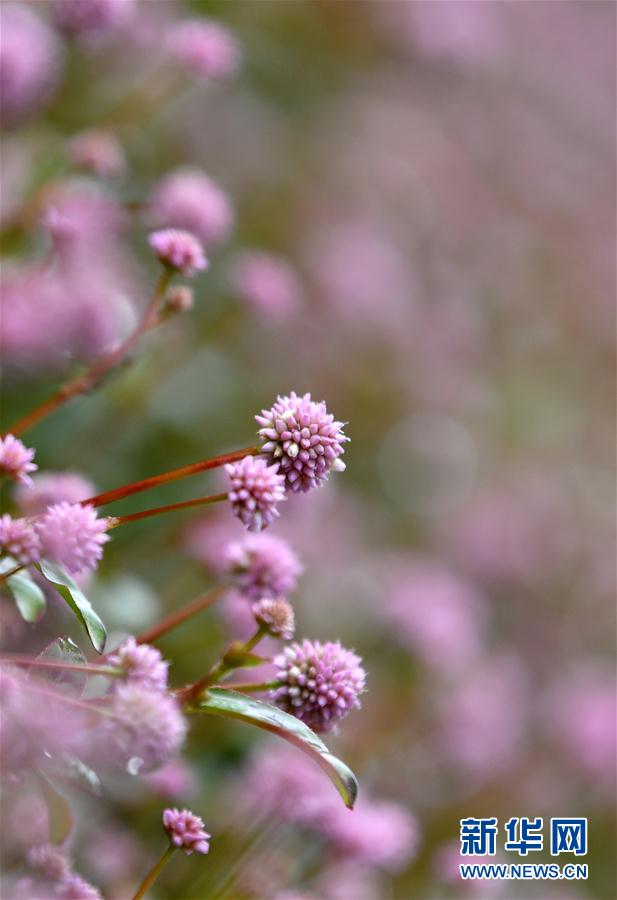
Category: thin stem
[20,660]
[221,669]
[13,571]
[114,521]
[172,475]
[154,872]
[247,687]
[81,384]
[177,618]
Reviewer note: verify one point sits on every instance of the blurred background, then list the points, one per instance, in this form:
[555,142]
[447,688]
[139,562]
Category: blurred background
[417,225]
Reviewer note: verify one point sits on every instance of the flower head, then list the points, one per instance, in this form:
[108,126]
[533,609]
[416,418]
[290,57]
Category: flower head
[179,298]
[262,566]
[49,861]
[204,47]
[321,683]
[50,488]
[141,664]
[146,727]
[303,438]
[187,198]
[19,539]
[16,460]
[186,830]
[276,615]
[179,250]
[72,535]
[255,490]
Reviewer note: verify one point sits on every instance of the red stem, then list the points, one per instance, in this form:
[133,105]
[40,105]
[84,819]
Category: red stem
[177,618]
[114,521]
[172,475]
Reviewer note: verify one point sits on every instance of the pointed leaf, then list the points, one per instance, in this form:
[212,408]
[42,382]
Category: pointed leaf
[78,602]
[235,705]
[28,596]
[58,810]
[63,649]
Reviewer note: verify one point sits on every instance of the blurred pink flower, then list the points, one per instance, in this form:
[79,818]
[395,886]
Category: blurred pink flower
[50,488]
[266,283]
[204,47]
[187,198]
[261,565]
[98,152]
[85,18]
[50,861]
[19,539]
[374,833]
[437,614]
[141,664]
[175,779]
[145,728]
[30,61]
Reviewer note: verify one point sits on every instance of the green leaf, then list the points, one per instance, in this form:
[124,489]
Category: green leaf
[237,657]
[78,602]
[235,705]
[29,597]
[63,649]
[58,810]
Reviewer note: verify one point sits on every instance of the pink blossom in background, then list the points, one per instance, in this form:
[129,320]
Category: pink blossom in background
[90,18]
[261,565]
[580,716]
[97,152]
[188,198]
[439,615]
[49,488]
[482,719]
[30,61]
[204,47]
[175,779]
[266,283]
[19,539]
[470,32]
[375,833]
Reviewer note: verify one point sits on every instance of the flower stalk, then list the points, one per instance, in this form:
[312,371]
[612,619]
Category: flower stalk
[154,872]
[153,481]
[115,521]
[177,618]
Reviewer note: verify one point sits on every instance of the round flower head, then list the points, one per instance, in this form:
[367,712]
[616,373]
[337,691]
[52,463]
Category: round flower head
[50,488]
[179,250]
[88,17]
[321,683]
[179,299]
[74,887]
[29,61]
[16,460]
[276,615]
[187,198]
[255,489]
[186,830]
[303,438]
[19,539]
[204,47]
[98,152]
[73,536]
[49,861]
[141,664]
[262,566]
[146,727]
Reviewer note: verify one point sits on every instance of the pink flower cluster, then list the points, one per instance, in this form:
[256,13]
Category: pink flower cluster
[186,830]
[256,489]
